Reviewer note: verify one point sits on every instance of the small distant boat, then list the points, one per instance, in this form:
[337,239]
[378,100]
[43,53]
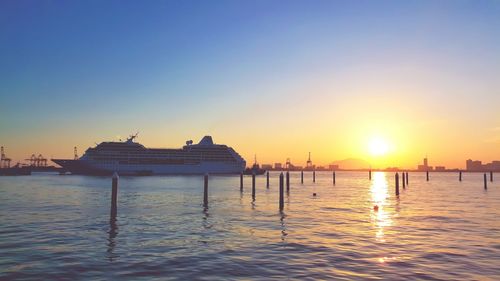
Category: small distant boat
[255,169]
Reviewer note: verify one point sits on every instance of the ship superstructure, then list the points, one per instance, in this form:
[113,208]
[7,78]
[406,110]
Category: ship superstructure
[132,158]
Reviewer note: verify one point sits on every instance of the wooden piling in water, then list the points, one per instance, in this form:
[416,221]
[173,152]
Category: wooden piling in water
[114,195]
[491,176]
[205,190]
[287,181]
[281,200]
[314,176]
[241,181]
[427,175]
[301,176]
[370,174]
[485,182]
[253,186]
[460,176]
[333,175]
[407,179]
[403,179]
[396,179]
[267,179]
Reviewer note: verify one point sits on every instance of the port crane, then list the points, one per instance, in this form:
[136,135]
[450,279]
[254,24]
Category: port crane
[4,160]
[37,161]
[309,163]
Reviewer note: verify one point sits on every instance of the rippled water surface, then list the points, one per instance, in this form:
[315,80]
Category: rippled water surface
[58,227]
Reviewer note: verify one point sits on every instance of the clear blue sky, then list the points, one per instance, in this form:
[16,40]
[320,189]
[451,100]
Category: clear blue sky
[78,72]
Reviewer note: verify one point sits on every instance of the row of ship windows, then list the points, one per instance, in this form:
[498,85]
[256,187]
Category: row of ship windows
[151,161]
[162,154]
[163,157]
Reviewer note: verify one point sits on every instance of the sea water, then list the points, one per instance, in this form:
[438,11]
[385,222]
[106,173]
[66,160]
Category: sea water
[59,227]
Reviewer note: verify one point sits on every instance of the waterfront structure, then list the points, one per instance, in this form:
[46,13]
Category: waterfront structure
[440,168]
[425,166]
[267,167]
[132,158]
[476,166]
[333,167]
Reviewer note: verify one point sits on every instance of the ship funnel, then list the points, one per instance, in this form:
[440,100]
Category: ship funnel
[206,140]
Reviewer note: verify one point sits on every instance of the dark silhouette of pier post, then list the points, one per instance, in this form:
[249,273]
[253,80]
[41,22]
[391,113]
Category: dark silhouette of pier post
[114,196]
[403,179]
[267,179]
[253,186]
[333,177]
[301,176]
[491,176]
[241,181]
[287,181]
[205,190]
[485,182]
[281,203]
[396,180]
[370,174]
[427,175]
[314,176]
[460,176]
[407,179]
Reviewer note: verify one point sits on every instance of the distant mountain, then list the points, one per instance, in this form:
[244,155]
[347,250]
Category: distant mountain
[352,163]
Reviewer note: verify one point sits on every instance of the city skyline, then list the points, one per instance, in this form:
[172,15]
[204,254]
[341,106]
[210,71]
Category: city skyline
[385,81]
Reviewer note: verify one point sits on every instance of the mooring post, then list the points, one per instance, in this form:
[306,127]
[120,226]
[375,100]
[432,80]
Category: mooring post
[403,179]
[370,174]
[205,190]
[301,176]
[114,195]
[253,186]
[267,179]
[281,192]
[427,175]
[241,181]
[287,181]
[396,179]
[460,176]
[491,176]
[314,176]
[485,182]
[407,178]
[333,175]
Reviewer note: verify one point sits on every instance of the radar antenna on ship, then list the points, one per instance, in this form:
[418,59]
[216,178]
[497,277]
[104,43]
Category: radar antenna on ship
[132,137]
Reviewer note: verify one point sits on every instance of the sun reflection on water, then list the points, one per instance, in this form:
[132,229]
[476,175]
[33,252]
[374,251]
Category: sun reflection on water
[380,217]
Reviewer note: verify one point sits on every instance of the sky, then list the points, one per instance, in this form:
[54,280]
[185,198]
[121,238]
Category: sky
[277,79]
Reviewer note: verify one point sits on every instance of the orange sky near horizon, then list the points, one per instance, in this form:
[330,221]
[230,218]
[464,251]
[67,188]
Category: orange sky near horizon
[334,136]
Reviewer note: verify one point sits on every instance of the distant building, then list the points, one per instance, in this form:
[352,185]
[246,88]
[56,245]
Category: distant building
[278,166]
[333,167]
[476,166]
[493,166]
[267,166]
[440,168]
[425,166]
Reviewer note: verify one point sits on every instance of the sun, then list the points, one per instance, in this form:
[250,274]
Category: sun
[378,146]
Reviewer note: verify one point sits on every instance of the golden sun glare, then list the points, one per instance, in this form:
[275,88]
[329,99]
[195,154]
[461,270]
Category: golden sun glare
[378,146]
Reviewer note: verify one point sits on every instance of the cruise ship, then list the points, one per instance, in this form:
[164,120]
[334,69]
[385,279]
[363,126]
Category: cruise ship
[132,158]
